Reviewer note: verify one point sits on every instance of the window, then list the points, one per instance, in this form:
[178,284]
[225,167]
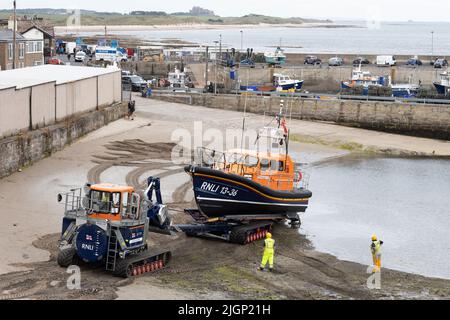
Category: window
[34,46]
[251,161]
[265,164]
[105,202]
[10,51]
[21,50]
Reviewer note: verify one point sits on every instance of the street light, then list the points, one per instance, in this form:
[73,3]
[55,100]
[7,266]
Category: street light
[432,44]
[242,41]
[215,66]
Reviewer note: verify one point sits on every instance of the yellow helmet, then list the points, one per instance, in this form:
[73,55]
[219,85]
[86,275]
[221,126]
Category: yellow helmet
[268,235]
[374,237]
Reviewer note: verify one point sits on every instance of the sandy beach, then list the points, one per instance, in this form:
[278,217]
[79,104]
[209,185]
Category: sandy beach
[60,30]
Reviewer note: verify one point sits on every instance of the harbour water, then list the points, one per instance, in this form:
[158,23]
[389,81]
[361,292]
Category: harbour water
[409,38]
[406,202]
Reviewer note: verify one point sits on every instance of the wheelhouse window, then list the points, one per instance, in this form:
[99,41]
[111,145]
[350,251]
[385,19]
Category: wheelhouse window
[233,158]
[251,161]
[265,164]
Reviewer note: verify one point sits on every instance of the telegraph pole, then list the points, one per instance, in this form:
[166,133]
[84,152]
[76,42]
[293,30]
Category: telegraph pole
[207,62]
[14,35]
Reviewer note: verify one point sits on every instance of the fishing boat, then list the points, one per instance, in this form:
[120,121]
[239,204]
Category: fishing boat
[363,79]
[280,82]
[275,58]
[443,86]
[406,90]
[251,184]
[284,82]
[179,80]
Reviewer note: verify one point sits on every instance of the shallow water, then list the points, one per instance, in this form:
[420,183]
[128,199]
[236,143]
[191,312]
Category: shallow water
[406,202]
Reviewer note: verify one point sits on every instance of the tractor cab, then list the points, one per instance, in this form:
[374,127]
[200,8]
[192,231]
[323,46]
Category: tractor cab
[111,202]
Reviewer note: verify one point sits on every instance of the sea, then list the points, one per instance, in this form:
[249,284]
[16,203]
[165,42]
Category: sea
[405,38]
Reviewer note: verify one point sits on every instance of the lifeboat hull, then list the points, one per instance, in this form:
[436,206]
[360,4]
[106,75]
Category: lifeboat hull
[219,194]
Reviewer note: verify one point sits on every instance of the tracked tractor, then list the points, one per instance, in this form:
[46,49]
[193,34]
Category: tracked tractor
[109,224]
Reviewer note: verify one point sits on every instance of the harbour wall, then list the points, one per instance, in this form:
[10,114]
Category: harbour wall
[26,148]
[322,78]
[424,120]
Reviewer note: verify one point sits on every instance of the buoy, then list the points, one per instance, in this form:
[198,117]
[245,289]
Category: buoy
[134,272]
[152,266]
[161,264]
[248,239]
[147,267]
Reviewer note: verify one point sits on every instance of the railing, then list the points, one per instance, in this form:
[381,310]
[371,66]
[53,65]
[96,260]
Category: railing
[316,96]
[72,202]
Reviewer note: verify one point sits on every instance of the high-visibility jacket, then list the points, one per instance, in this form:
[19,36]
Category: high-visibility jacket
[375,247]
[269,244]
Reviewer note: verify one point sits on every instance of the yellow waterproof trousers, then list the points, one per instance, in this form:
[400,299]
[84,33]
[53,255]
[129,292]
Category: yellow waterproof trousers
[376,262]
[267,257]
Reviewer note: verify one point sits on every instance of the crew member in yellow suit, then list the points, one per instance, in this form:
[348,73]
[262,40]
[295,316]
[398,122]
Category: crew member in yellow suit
[375,248]
[269,248]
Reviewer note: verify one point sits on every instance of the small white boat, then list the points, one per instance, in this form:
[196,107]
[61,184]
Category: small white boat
[284,82]
[179,80]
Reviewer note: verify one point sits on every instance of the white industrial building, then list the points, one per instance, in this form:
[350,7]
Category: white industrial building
[39,96]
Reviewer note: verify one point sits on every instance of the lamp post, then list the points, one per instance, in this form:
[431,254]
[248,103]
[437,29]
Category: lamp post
[215,66]
[242,41]
[14,35]
[432,45]
[220,48]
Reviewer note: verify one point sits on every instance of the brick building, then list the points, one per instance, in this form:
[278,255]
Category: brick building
[29,51]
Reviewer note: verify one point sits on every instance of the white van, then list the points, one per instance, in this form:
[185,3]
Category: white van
[105,54]
[386,61]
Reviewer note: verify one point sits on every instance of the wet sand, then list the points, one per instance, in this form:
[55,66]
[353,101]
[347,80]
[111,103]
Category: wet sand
[128,151]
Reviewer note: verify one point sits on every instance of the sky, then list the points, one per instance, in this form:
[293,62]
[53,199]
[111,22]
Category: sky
[383,10]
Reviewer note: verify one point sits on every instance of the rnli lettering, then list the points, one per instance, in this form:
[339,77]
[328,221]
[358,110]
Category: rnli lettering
[89,247]
[211,187]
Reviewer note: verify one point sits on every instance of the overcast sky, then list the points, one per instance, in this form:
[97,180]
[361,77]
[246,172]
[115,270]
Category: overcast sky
[385,10]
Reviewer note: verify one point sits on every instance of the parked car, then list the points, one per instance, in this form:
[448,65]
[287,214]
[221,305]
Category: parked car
[137,83]
[80,56]
[414,62]
[440,63]
[55,61]
[360,60]
[247,63]
[312,60]
[335,62]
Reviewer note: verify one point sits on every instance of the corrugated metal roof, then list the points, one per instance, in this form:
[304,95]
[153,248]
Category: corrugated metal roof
[31,76]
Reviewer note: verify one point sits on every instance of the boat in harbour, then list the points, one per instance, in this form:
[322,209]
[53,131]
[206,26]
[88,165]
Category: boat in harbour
[284,82]
[363,79]
[179,80]
[275,58]
[261,184]
[443,86]
[280,82]
[406,90]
